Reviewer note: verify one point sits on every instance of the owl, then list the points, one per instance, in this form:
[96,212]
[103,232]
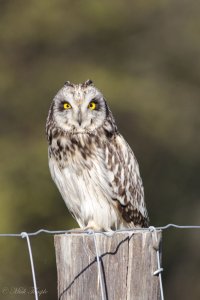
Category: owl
[90,162]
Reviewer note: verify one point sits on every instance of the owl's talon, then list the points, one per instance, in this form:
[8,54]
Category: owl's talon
[89,231]
[76,230]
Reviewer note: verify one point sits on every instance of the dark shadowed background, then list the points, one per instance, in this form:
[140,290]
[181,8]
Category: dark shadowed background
[145,57]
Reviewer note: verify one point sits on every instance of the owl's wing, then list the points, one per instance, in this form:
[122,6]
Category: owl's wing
[126,183]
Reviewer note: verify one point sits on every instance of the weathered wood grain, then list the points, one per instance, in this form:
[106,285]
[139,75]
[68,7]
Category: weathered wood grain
[128,261]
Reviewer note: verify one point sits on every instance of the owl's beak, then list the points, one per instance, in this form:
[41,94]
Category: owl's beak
[79,118]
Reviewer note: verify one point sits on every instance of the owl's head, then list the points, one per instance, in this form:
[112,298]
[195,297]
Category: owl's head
[79,108]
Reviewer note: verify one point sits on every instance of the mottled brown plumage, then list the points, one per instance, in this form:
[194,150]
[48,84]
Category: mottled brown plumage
[93,167]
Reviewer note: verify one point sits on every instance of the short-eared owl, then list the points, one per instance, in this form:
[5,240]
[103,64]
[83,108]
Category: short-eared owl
[92,165]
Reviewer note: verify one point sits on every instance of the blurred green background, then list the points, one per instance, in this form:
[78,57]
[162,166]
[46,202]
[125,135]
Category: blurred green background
[145,57]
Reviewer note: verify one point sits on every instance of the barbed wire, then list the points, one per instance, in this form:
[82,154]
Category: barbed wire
[109,234]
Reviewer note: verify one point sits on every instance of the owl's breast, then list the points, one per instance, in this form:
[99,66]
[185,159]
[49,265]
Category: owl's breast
[83,182]
[75,148]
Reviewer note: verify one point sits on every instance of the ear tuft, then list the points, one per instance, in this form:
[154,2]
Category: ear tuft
[68,83]
[87,83]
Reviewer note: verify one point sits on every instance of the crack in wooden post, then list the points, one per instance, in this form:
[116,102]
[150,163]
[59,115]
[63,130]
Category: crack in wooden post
[128,260]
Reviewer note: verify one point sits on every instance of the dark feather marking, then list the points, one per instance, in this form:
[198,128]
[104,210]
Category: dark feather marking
[121,191]
[83,154]
[59,145]
[75,142]
[50,138]
[109,134]
[129,214]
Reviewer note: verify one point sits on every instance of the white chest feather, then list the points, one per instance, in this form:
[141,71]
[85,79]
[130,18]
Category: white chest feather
[86,191]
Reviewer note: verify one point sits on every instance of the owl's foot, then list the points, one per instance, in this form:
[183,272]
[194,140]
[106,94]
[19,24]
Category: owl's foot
[76,230]
[86,229]
[90,229]
[92,226]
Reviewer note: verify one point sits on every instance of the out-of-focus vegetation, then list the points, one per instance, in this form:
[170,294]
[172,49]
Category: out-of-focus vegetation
[145,57]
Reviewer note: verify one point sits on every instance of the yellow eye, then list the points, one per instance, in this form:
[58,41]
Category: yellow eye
[66,105]
[92,105]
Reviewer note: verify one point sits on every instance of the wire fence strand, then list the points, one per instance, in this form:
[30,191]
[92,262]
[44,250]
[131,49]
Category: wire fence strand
[46,231]
[110,234]
[159,269]
[25,235]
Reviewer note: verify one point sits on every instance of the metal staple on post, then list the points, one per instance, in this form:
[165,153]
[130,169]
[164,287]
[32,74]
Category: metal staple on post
[159,269]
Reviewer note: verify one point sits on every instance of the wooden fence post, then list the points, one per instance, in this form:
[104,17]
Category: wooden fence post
[128,260]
